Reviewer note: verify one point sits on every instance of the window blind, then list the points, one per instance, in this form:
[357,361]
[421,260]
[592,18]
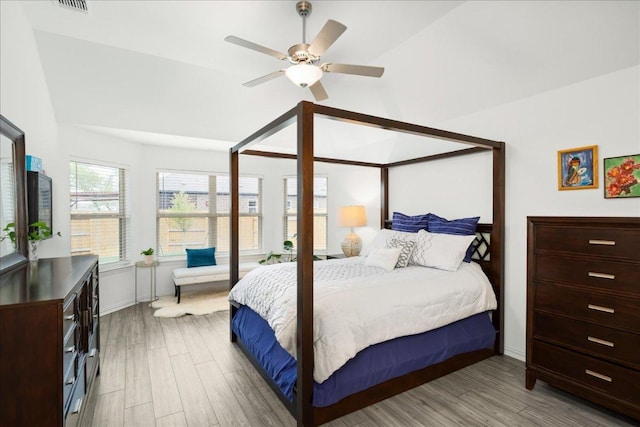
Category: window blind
[99,214]
[194,212]
[319,211]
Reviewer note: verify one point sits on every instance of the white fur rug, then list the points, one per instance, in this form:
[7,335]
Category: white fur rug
[198,303]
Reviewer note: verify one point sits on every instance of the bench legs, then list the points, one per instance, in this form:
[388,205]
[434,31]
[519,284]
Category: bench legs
[176,292]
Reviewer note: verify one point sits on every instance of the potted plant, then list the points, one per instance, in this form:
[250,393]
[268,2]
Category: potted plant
[37,231]
[287,256]
[148,256]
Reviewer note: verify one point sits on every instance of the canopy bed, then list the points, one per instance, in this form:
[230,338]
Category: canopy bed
[302,395]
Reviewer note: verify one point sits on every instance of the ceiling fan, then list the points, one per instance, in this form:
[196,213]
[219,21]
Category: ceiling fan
[304,57]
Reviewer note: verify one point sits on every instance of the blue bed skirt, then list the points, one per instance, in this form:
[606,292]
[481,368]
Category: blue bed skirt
[371,366]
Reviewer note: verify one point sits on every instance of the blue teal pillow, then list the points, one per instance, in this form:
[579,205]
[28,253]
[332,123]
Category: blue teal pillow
[409,224]
[201,257]
[461,227]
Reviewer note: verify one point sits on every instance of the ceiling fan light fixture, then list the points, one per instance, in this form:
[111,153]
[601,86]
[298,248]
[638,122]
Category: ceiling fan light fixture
[304,75]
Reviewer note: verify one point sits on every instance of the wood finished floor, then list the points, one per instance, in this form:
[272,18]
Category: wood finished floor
[185,372]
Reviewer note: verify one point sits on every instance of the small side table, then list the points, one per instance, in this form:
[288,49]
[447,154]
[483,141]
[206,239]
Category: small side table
[152,279]
[336,256]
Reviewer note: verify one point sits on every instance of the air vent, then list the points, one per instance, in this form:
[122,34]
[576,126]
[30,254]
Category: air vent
[79,5]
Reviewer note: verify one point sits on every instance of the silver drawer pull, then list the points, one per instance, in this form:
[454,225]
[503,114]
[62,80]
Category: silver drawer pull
[70,317]
[602,275]
[72,381]
[602,242]
[601,308]
[599,341]
[76,409]
[70,349]
[597,375]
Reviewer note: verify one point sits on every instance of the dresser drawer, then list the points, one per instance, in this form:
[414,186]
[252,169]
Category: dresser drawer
[69,316]
[69,350]
[619,346]
[70,377]
[609,242]
[606,310]
[612,379]
[605,275]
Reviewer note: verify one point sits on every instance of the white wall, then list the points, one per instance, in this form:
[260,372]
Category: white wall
[603,111]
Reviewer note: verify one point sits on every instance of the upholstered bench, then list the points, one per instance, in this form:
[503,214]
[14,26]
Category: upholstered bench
[207,273]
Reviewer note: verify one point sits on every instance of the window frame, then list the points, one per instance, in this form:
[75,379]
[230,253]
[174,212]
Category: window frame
[123,215]
[212,215]
[287,205]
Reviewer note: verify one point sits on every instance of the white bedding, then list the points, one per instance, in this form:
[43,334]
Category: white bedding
[356,306]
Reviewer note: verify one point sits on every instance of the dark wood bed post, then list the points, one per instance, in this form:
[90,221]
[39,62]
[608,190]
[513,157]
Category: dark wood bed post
[384,195]
[235,221]
[304,335]
[497,243]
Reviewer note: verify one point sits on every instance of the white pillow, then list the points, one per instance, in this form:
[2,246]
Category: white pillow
[384,237]
[442,251]
[383,257]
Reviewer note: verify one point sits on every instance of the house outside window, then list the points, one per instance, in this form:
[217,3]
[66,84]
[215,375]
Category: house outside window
[99,212]
[319,212]
[194,212]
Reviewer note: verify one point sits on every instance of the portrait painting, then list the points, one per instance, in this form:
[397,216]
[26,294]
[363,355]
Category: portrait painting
[578,168]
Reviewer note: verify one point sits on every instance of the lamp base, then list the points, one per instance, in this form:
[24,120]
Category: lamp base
[351,245]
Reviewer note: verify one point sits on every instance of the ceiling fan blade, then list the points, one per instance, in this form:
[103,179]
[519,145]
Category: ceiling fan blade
[263,79]
[256,47]
[318,91]
[326,37]
[358,70]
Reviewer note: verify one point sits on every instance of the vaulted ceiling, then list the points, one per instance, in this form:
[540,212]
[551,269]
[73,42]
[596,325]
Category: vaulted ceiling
[160,71]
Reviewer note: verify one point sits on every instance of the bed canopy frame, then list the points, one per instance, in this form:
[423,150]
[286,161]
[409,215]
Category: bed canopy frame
[304,114]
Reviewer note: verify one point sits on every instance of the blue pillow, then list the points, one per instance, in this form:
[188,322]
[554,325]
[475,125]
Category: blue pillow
[201,257]
[461,227]
[409,224]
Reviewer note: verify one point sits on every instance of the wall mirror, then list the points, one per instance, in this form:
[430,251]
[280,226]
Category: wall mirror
[13,201]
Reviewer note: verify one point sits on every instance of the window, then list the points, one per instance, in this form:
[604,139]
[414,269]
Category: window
[193,212]
[319,211]
[99,214]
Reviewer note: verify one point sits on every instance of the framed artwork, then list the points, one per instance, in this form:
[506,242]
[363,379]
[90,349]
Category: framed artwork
[621,175]
[578,168]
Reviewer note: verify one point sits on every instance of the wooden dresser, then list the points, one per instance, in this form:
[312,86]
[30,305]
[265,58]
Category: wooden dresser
[583,308]
[49,341]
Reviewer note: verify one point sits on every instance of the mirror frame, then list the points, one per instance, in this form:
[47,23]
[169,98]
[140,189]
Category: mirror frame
[19,257]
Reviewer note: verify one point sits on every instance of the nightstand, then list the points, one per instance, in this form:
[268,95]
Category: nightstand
[336,256]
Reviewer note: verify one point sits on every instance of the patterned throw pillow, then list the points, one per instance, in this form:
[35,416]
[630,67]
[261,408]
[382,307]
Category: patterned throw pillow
[383,238]
[411,224]
[406,247]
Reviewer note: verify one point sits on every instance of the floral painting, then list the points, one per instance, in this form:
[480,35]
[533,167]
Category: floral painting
[578,168]
[621,176]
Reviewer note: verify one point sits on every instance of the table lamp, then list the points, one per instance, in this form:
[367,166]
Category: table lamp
[352,216]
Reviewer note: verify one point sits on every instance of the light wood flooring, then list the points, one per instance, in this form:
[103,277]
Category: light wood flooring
[185,372]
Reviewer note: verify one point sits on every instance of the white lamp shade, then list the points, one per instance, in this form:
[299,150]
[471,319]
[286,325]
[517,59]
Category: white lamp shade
[304,75]
[352,216]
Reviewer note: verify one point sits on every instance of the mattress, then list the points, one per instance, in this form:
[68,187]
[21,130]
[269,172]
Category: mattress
[356,306]
[371,366]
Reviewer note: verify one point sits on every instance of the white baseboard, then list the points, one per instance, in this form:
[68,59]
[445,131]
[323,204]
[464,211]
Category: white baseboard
[515,353]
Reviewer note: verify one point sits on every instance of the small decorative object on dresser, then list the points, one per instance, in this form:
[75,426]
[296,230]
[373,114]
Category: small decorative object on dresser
[578,168]
[622,177]
[583,308]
